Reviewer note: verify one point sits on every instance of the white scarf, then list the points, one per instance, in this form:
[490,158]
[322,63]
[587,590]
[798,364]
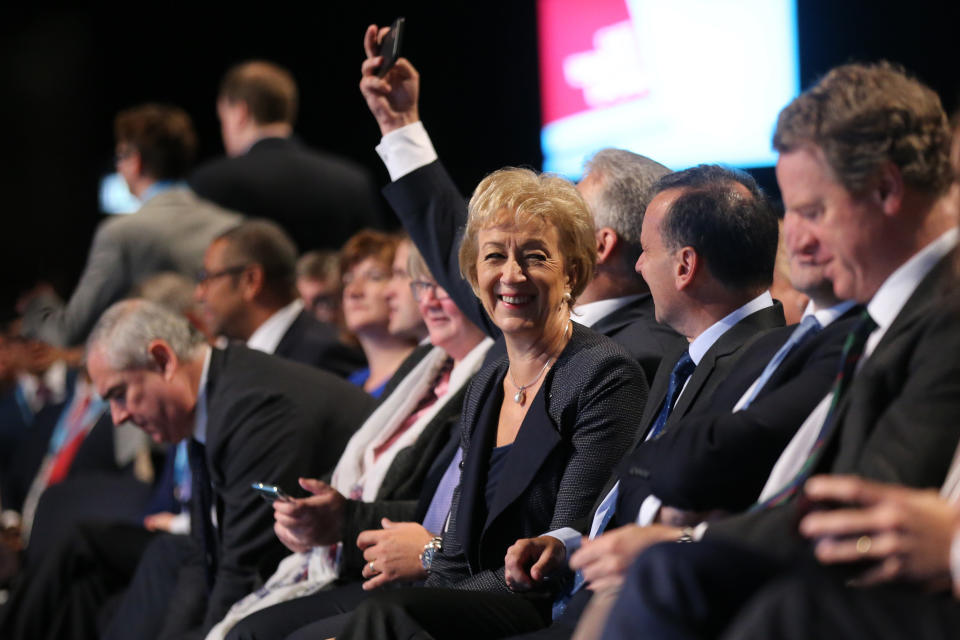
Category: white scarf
[357,466]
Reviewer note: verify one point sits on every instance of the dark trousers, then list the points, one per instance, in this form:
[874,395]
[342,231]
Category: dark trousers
[687,590]
[309,614]
[804,606]
[445,613]
[60,596]
[168,594]
[564,626]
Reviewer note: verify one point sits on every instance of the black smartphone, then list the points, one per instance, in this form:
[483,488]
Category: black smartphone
[270,492]
[390,47]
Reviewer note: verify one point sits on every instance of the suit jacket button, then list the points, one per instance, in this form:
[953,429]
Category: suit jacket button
[461,464]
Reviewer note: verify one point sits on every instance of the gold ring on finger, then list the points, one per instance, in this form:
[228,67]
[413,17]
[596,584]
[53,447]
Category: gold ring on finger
[863,544]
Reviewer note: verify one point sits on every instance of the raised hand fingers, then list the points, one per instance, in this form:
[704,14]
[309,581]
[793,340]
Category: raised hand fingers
[371,41]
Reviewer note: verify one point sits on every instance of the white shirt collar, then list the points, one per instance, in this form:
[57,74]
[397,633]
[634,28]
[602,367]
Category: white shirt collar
[268,335]
[830,314]
[591,313]
[200,417]
[702,343]
[889,299]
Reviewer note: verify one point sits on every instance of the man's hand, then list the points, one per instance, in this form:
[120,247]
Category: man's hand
[161,521]
[906,531]
[392,99]
[304,523]
[529,561]
[604,560]
[393,553]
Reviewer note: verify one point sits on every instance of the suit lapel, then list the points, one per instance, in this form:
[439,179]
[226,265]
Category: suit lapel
[290,337]
[740,334]
[658,393]
[930,289]
[625,315]
[482,431]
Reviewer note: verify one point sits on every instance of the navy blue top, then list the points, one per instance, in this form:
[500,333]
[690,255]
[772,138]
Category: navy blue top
[498,458]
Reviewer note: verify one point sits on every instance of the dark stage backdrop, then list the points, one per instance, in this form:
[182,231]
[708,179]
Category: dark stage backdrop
[65,73]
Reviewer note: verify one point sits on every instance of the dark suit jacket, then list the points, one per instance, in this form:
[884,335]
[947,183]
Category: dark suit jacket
[716,459]
[434,214]
[268,420]
[720,360]
[898,420]
[557,463]
[317,344]
[319,198]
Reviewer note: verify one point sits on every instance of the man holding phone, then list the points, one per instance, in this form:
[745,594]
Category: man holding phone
[247,417]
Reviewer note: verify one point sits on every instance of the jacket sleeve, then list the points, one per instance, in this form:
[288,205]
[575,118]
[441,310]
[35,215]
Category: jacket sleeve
[434,213]
[104,281]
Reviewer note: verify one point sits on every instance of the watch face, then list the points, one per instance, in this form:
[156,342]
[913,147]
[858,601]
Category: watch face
[427,558]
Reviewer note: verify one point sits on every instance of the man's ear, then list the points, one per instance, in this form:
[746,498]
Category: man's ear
[686,266]
[163,358]
[252,280]
[888,188]
[607,243]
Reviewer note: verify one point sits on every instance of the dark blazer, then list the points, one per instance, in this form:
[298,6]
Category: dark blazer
[558,462]
[434,214]
[898,420]
[268,420]
[320,199]
[720,361]
[318,344]
[716,459]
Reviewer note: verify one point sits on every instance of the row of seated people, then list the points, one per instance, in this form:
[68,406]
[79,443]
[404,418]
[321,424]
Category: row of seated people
[511,523]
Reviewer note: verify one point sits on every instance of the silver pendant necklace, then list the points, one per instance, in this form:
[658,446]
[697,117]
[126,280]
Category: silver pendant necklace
[521,395]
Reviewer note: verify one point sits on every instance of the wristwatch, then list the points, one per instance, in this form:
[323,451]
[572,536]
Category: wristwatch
[429,551]
[686,535]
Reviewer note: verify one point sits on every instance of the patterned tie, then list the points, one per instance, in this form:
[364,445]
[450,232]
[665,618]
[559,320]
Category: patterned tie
[202,505]
[681,371]
[807,328]
[852,351]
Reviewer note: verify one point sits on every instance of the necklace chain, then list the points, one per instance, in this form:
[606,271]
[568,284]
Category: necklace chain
[521,395]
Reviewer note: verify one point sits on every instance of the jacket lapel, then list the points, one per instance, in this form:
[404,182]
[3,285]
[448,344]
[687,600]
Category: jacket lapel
[625,315]
[931,288]
[729,343]
[537,437]
[481,429]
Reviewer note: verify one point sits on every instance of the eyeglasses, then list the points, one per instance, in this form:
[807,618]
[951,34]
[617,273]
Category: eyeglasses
[420,288]
[204,276]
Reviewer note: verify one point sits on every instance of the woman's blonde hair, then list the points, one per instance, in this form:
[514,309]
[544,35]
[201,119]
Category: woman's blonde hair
[523,197]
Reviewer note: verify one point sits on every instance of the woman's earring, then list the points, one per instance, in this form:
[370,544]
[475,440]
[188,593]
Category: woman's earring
[567,297]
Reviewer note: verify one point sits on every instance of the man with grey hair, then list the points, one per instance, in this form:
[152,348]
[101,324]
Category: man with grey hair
[246,291]
[617,189]
[247,417]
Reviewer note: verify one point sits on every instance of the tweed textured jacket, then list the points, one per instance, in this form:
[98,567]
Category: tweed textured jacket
[559,461]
